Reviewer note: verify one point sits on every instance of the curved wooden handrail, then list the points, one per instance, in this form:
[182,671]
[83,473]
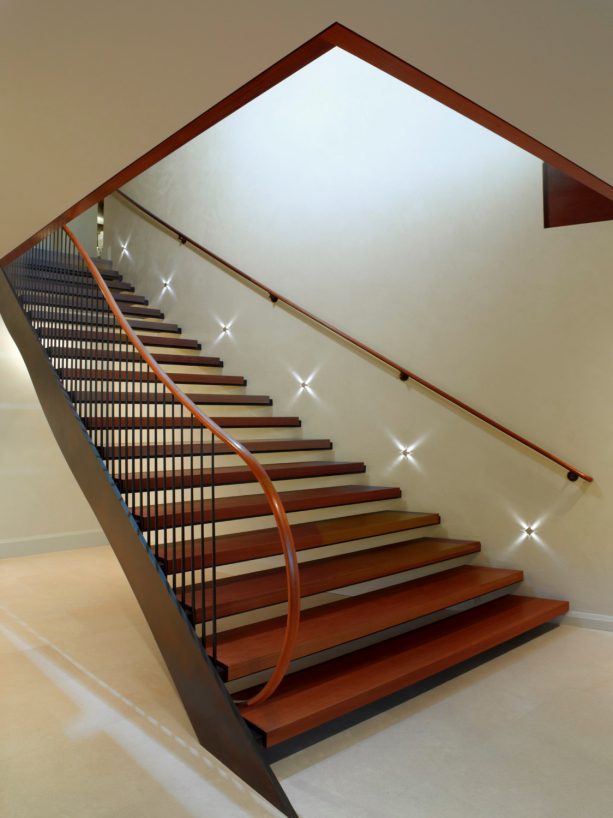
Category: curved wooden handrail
[274,501]
[573,473]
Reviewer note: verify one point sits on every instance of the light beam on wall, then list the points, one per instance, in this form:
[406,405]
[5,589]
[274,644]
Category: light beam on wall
[166,285]
[225,328]
[405,451]
[123,245]
[305,385]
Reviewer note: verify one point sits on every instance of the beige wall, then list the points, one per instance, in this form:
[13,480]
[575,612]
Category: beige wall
[71,119]
[41,506]
[85,228]
[421,234]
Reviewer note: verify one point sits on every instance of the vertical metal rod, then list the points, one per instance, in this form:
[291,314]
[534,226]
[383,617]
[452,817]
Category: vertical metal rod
[174,506]
[167,521]
[181,476]
[192,551]
[213,553]
[202,542]
[152,434]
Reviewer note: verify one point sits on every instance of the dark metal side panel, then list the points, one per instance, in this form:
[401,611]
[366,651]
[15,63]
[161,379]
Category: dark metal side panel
[213,714]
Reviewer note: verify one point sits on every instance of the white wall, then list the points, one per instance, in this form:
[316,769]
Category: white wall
[89,88]
[421,234]
[41,506]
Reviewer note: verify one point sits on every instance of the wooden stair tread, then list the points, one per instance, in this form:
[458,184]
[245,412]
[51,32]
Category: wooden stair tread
[256,505]
[167,397]
[261,588]
[229,475]
[89,289]
[83,305]
[81,300]
[160,422]
[253,648]
[75,275]
[251,545]
[130,298]
[123,357]
[116,338]
[106,320]
[312,697]
[150,377]
[160,450]
[155,326]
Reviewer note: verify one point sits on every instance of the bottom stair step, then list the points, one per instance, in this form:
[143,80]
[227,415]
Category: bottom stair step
[312,697]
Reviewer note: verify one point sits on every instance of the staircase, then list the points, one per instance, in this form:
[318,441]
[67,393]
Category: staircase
[192,503]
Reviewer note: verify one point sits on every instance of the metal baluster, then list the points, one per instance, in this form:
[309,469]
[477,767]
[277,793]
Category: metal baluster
[181,476]
[202,548]
[192,554]
[213,554]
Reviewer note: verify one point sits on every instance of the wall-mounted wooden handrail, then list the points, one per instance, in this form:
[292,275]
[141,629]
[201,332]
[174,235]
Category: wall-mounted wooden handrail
[573,473]
[272,496]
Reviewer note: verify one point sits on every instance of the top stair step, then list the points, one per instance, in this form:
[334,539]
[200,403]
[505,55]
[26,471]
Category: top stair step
[312,697]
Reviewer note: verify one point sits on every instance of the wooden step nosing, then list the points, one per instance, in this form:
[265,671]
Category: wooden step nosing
[379,688]
[315,579]
[239,551]
[315,643]
[328,498]
[305,470]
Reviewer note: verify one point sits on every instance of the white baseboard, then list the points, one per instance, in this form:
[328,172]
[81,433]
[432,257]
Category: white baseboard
[44,543]
[585,619]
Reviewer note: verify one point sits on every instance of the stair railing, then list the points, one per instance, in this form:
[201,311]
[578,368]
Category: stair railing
[127,402]
[573,473]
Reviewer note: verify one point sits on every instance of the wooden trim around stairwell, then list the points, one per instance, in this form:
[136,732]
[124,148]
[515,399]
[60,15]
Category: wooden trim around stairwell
[335,36]
[279,71]
[568,202]
[342,37]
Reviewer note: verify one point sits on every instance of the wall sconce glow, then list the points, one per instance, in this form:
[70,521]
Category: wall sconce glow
[225,328]
[124,249]
[305,385]
[167,284]
[529,531]
[405,452]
